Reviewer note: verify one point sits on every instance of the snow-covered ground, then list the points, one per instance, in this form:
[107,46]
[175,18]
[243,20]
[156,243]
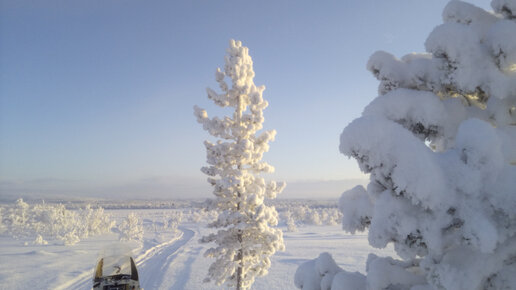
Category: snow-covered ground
[172,258]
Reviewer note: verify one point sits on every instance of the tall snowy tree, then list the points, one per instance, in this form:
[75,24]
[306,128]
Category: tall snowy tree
[439,145]
[245,239]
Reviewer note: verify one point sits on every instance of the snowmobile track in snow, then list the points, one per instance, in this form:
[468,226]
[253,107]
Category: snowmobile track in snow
[152,264]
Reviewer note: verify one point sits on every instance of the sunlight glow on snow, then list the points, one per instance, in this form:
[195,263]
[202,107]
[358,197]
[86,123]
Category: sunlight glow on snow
[477,99]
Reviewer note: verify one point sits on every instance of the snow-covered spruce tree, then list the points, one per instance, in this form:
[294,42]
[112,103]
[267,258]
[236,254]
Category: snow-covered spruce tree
[439,144]
[244,240]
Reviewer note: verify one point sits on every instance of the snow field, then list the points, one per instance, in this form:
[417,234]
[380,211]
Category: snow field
[172,258]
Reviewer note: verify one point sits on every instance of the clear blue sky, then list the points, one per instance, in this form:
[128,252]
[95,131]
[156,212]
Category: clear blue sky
[96,96]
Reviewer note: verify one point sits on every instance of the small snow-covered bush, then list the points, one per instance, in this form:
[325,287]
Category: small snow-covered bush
[95,221]
[308,214]
[286,216]
[39,241]
[172,220]
[70,238]
[199,215]
[53,221]
[131,228]
[3,227]
[167,222]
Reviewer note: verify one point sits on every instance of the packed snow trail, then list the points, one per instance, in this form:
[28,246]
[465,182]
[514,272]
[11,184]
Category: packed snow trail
[152,264]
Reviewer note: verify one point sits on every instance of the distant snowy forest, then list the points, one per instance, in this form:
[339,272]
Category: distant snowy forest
[39,222]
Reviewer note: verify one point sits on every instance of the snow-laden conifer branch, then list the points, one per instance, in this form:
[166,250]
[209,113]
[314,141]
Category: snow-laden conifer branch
[439,145]
[245,239]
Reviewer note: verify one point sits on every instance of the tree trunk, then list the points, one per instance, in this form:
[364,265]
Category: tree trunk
[240,261]
[240,255]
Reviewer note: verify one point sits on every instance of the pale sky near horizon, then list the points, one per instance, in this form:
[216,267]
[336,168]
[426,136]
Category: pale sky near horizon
[96,97]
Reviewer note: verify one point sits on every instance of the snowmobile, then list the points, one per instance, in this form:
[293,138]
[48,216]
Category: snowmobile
[116,273]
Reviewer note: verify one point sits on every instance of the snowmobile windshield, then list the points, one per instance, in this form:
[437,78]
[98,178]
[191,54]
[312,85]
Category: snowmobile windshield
[115,266]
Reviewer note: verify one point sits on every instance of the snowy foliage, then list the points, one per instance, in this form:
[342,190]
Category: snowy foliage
[172,220]
[244,240]
[53,221]
[323,273]
[308,214]
[131,228]
[203,215]
[162,226]
[289,221]
[356,207]
[40,241]
[439,144]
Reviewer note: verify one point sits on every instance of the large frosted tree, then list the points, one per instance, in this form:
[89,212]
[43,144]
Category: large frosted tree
[439,145]
[245,239]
